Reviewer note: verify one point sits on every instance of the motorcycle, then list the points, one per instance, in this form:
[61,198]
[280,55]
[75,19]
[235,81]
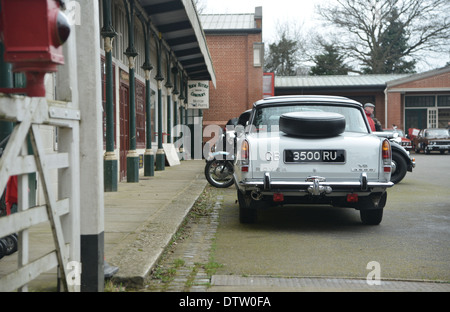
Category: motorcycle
[219,170]
[219,167]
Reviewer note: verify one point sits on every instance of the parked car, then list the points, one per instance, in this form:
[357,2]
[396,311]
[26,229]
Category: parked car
[436,139]
[400,138]
[402,162]
[312,150]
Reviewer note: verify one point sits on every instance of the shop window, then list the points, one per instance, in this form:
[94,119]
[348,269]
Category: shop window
[420,101]
[443,100]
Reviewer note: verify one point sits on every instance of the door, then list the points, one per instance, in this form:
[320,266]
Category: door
[432,118]
[124,129]
[416,118]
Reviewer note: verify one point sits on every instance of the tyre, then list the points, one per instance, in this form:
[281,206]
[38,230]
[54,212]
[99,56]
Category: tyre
[312,124]
[372,216]
[371,213]
[10,243]
[400,168]
[247,213]
[2,249]
[219,173]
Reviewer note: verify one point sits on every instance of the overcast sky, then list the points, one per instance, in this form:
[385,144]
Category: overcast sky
[274,12]
[294,12]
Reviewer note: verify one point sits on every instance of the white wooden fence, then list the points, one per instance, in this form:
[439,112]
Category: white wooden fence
[61,207]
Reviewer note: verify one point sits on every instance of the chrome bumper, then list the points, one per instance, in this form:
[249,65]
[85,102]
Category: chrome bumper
[437,147]
[313,185]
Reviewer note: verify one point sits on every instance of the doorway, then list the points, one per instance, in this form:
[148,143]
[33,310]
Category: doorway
[416,118]
[124,129]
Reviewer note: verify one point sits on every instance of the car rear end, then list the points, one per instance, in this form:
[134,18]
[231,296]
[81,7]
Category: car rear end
[327,168]
[349,167]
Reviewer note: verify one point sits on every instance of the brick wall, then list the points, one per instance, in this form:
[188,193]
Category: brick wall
[238,84]
[424,84]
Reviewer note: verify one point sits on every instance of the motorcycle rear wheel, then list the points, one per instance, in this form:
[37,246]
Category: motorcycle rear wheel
[219,173]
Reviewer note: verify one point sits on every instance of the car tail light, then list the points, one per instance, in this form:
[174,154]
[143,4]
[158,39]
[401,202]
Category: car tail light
[245,153]
[245,156]
[352,198]
[386,155]
[278,197]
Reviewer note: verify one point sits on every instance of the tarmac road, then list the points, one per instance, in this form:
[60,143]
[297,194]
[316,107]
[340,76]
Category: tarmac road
[411,243]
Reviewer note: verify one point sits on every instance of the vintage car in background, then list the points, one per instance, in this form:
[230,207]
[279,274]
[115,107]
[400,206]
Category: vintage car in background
[400,138]
[315,150]
[402,162]
[429,140]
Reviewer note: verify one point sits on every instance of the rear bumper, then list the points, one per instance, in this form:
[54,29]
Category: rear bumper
[313,186]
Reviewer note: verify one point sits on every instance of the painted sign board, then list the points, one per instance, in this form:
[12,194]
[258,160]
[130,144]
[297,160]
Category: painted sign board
[198,94]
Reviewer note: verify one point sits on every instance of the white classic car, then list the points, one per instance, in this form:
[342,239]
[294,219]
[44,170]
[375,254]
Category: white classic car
[312,150]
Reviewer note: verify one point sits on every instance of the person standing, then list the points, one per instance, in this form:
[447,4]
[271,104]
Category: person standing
[369,108]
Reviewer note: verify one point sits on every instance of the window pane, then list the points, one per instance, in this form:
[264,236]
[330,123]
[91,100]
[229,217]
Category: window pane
[443,100]
[419,101]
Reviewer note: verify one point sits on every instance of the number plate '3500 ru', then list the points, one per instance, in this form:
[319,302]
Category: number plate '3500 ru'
[305,156]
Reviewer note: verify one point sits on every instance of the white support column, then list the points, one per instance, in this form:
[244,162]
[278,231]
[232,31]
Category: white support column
[91,147]
[69,142]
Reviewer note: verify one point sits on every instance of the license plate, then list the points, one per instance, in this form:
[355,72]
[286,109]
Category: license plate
[307,156]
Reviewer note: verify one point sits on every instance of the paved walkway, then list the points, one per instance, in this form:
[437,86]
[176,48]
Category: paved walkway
[140,220]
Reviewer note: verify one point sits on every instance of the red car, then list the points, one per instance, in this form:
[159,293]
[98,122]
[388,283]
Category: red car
[403,140]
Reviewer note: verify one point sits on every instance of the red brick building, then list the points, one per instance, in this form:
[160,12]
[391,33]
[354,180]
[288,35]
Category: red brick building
[236,48]
[407,101]
[420,100]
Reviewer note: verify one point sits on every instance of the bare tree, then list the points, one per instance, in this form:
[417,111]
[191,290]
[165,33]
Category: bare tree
[285,55]
[363,26]
[200,5]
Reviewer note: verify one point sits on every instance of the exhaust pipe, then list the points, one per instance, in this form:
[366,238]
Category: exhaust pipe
[256,194]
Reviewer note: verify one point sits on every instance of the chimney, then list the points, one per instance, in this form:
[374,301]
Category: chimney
[258,17]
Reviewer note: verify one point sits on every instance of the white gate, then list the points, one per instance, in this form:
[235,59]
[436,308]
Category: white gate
[61,207]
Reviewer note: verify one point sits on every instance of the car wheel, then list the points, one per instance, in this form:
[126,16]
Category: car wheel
[400,168]
[247,214]
[371,216]
[371,213]
[312,124]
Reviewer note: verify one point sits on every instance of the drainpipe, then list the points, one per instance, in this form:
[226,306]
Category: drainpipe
[169,87]
[160,155]
[385,108]
[149,157]
[132,155]
[110,159]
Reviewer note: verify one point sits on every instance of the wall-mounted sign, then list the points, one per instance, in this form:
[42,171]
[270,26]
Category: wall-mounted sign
[198,94]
